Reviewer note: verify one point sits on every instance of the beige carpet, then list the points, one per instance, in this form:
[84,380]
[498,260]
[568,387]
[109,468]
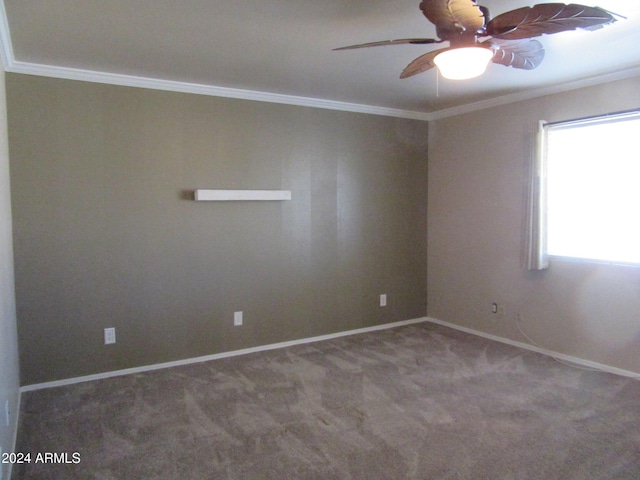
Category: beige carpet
[415,402]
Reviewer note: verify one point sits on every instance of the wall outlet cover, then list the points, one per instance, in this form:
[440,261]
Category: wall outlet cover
[109,336]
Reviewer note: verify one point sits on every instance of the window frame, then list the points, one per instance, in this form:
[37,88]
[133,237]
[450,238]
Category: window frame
[538,256]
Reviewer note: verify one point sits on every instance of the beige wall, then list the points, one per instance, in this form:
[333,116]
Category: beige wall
[477,193]
[8,337]
[106,234]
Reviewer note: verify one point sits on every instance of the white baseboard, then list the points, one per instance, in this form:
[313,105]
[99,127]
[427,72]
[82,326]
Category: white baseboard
[216,356]
[560,356]
[147,368]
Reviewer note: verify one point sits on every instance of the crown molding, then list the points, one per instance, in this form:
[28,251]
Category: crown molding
[12,65]
[536,93]
[15,66]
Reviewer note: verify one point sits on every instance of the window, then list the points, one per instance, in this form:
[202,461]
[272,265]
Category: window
[589,191]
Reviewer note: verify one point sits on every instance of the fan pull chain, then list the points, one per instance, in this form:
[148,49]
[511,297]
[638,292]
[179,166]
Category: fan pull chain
[437,83]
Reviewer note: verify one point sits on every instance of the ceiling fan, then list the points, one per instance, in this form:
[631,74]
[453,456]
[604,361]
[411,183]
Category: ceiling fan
[466,26]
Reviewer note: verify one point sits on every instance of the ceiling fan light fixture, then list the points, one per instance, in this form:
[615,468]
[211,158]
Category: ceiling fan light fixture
[463,63]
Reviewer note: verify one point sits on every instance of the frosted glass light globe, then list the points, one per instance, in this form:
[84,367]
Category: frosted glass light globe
[463,63]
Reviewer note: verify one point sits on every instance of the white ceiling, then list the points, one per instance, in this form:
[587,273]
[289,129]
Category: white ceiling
[281,50]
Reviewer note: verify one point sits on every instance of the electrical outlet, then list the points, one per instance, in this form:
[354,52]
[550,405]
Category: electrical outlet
[498,309]
[383,300]
[109,336]
[237,319]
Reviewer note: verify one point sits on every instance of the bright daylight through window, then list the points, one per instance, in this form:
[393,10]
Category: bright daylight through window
[593,188]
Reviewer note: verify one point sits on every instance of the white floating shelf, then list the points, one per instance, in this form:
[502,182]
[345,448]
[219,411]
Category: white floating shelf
[227,195]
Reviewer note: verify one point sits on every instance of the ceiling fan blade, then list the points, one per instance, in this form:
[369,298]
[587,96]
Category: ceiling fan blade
[546,18]
[400,41]
[453,17]
[421,64]
[525,54]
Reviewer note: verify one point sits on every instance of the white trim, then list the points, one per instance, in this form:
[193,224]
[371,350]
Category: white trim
[201,89]
[274,346]
[544,351]
[12,65]
[535,93]
[28,68]
[216,356]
